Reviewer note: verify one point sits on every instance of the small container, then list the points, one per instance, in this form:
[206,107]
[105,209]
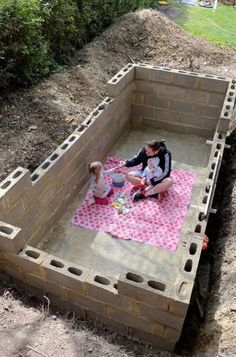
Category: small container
[118,179]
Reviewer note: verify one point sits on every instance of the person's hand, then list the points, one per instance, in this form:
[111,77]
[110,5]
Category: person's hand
[148,182]
[122,164]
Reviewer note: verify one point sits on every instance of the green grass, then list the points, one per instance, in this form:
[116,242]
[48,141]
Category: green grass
[218,27]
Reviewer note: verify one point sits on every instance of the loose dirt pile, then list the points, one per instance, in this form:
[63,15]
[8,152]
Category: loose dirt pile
[35,121]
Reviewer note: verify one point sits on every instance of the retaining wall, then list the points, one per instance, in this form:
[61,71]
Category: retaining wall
[140,306]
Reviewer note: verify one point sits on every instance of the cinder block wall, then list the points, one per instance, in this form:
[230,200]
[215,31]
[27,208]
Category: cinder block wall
[34,202]
[179,101]
[137,305]
[140,306]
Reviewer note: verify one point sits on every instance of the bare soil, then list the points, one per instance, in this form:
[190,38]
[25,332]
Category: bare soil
[34,121]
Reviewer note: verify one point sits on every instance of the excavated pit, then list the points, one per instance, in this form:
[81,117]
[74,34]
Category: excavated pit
[138,289]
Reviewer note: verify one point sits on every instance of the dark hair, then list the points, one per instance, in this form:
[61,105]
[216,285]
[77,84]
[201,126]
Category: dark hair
[153,144]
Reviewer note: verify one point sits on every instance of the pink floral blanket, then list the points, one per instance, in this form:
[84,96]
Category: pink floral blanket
[149,221]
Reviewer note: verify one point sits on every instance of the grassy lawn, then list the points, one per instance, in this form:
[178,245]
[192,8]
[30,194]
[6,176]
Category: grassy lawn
[218,27]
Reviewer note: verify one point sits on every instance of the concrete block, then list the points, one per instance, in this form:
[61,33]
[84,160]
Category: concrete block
[207,111]
[182,290]
[171,91]
[144,288]
[162,317]
[182,107]
[11,238]
[138,98]
[145,87]
[214,85]
[171,334]
[3,206]
[46,197]
[77,310]
[13,187]
[65,273]
[35,281]
[198,96]
[223,125]
[157,329]
[29,260]
[206,133]
[190,119]
[118,83]
[154,123]
[209,123]
[86,302]
[186,80]
[153,340]
[100,287]
[158,102]
[141,73]
[13,272]
[129,319]
[216,99]
[160,75]
[14,213]
[28,217]
[167,116]
[140,111]
[111,325]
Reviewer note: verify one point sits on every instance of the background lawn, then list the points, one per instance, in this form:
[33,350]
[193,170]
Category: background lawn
[218,27]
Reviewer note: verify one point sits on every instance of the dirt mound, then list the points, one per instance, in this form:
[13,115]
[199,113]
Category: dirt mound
[34,122]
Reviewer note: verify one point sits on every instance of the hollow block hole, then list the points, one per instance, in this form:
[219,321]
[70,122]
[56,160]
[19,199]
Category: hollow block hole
[17,174]
[75,271]
[198,228]
[193,248]
[188,265]
[134,277]
[216,153]
[45,166]
[201,216]
[226,114]
[220,136]
[227,107]
[114,80]
[207,188]
[63,147]
[6,230]
[204,200]
[213,166]
[32,254]
[54,157]
[211,175]
[34,177]
[72,138]
[157,285]
[115,286]
[81,128]
[101,280]
[218,146]
[5,185]
[56,263]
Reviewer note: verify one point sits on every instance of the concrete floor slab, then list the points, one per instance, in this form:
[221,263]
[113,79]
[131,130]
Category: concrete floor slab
[108,255]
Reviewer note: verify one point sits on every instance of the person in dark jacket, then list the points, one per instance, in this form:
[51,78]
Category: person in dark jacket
[162,182]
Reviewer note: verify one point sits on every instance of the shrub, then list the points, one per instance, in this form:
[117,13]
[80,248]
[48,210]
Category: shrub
[35,35]
[23,50]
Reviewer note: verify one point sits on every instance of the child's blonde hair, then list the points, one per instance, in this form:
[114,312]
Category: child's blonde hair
[95,169]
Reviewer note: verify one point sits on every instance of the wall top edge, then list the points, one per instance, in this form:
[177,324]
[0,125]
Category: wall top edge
[182,71]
